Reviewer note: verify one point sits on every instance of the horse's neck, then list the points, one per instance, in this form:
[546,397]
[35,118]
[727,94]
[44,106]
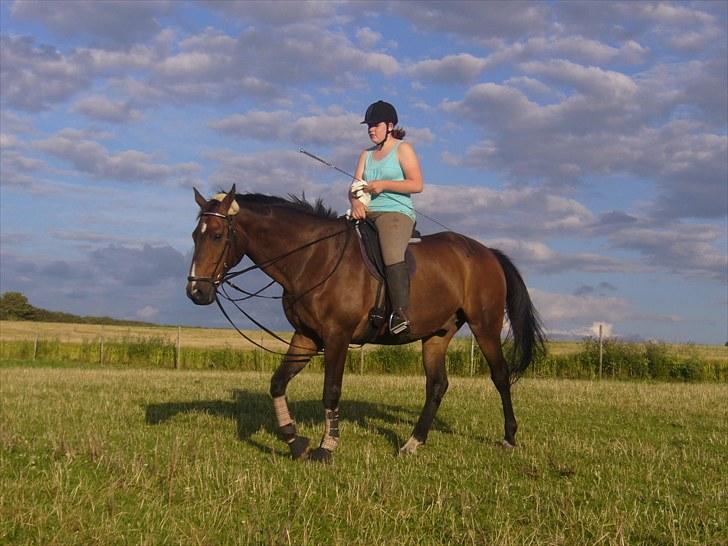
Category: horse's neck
[282,243]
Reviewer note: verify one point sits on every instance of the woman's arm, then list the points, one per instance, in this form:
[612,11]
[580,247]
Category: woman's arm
[412,182]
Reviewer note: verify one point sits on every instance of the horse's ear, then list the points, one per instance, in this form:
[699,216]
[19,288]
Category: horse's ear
[228,202]
[200,200]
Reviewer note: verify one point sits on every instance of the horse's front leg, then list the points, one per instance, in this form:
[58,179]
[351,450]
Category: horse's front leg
[299,353]
[334,359]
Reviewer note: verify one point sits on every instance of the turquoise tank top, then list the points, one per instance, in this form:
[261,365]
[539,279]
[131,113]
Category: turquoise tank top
[388,168]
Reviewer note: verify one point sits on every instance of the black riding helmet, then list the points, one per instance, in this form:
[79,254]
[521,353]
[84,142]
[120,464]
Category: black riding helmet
[380,111]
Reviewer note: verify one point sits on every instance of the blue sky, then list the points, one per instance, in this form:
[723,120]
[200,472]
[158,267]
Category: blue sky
[587,140]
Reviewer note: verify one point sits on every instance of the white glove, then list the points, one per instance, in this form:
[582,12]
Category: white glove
[357,190]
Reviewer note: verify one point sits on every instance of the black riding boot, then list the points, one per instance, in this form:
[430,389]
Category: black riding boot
[398,287]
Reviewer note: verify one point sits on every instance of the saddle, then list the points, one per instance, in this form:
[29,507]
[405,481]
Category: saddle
[371,253]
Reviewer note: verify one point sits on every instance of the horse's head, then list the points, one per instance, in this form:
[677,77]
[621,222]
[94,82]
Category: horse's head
[215,246]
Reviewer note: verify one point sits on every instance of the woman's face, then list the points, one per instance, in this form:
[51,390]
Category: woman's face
[378,131]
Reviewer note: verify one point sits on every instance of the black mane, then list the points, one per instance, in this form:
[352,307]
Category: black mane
[317,208]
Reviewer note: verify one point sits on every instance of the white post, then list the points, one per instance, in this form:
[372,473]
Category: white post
[177,357]
[472,355]
[601,352]
[35,346]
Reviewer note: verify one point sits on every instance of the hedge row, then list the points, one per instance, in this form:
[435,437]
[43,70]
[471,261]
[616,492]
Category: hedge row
[619,360]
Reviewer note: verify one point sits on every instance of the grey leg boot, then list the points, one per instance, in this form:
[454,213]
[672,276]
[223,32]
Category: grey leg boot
[398,287]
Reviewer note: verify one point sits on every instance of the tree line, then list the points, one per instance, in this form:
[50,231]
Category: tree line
[15,306]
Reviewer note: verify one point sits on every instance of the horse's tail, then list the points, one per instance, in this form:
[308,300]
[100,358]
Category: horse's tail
[528,336]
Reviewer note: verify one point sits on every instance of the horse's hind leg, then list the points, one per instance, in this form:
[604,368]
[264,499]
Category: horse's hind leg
[490,343]
[433,359]
[300,351]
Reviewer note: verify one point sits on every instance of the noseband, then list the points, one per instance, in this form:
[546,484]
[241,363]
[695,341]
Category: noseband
[229,239]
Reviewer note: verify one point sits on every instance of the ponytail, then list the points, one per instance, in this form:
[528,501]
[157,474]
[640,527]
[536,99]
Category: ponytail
[398,133]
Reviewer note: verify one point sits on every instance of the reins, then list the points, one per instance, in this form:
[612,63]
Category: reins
[225,280]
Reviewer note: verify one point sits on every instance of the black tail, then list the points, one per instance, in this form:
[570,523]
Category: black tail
[528,336]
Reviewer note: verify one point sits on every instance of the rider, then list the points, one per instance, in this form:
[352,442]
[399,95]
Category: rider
[392,172]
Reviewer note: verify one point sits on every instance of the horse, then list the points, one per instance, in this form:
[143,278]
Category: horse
[328,292]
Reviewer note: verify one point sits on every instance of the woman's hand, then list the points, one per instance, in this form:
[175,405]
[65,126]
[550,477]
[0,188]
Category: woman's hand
[375,187]
[358,210]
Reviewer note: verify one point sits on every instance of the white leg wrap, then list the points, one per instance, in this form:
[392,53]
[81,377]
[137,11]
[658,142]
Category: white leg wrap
[280,405]
[411,446]
[330,441]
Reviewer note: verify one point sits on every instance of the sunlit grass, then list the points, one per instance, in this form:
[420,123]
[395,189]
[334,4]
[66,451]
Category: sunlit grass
[165,457]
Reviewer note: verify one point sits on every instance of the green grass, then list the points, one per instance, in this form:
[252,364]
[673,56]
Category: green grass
[121,456]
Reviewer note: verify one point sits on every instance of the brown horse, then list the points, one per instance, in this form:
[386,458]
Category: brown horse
[328,292]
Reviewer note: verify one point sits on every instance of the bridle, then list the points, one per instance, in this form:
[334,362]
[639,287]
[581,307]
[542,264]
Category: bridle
[224,277]
[215,280]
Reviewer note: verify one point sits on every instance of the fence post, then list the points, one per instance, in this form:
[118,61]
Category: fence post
[472,355]
[177,356]
[35,346]
[101,350]
[601,352]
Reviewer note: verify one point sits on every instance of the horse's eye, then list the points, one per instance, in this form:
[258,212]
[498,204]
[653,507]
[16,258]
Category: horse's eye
[218,236]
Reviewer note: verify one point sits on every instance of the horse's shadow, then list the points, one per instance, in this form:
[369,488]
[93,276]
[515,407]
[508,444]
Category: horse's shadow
[253,411]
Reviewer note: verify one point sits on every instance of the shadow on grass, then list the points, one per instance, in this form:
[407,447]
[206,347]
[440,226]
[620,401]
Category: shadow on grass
[253,411]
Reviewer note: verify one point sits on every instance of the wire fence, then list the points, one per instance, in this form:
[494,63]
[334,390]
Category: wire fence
[592,359]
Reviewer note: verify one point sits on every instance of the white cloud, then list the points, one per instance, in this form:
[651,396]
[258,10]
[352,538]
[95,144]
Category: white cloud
[90,157]
[367,37]
[567,308]
[117,22]
[460,68]
[148,313]
[32,77]
[102,108]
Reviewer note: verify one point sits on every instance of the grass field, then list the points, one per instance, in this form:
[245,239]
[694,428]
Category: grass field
[101,456]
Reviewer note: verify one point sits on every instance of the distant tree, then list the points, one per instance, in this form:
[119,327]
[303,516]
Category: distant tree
[15,306]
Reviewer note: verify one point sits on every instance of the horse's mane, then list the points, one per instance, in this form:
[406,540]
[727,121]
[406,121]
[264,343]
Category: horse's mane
[317,208]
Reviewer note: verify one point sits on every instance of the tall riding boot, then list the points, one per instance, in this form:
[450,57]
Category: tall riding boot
[398,287]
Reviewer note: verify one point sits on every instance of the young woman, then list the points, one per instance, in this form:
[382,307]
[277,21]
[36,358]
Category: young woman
[392,172]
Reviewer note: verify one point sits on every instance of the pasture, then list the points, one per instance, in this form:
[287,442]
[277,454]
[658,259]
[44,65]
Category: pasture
[129,456]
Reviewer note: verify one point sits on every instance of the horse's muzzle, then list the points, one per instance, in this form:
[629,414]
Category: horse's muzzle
[201,292]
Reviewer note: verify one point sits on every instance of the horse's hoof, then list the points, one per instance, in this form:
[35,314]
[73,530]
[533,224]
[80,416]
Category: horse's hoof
[320,455]
[508,445]
[299,447]
[410,447]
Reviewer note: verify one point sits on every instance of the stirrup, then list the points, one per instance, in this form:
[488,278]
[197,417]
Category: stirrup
[398,323]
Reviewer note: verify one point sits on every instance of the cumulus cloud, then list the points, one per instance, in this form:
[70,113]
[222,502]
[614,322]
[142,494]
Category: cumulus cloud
[33,77]
[102,108]
[568,308]
[280,13]
[367,37]
[538,256]
[90,157]
[607,124]
[475,20]
[527,212]
[460,68]
[274,172]
[115,22]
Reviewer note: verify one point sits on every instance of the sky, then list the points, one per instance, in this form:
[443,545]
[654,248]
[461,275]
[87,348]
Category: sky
[586,140]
